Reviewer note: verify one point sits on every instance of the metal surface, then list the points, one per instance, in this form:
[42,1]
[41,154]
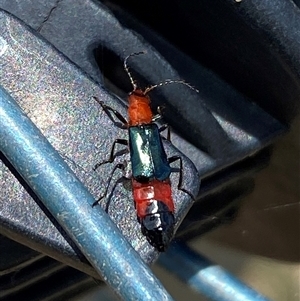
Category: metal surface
[206,277]
[54,183]
[220,128]
[25,275]
[224,125]
[236,129]
[251,45]
[57,97]
[219,121]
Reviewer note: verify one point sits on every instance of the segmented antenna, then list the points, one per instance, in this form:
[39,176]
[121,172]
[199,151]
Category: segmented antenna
[133,81]
[148,89]
[167,82]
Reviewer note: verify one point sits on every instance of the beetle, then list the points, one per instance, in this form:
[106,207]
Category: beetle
[151,185]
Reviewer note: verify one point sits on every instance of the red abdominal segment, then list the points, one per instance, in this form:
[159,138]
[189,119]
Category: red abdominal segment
[145,193]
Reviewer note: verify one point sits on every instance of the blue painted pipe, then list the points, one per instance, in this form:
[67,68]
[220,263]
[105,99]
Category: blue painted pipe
[206,277]
[69,202]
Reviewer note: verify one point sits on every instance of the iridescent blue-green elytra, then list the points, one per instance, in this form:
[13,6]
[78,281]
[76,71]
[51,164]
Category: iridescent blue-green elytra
[148,158]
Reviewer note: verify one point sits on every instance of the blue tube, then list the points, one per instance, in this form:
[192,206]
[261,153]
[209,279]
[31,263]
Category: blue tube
[206,277]
[69,202]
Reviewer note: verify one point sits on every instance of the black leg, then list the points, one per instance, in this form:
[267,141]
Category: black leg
[119,166]
[179,186]
[159,113]
[160,110]
[120,180]
[163,127]
[108,109]
[156,117]
[112,153]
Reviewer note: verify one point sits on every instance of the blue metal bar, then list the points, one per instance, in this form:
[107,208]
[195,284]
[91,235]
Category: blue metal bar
[206,277]
[69,202]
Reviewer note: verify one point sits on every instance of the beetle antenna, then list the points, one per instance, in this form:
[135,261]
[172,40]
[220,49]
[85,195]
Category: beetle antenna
[133,81]
[167,82]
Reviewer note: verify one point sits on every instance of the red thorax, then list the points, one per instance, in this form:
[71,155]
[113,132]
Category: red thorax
[139,110]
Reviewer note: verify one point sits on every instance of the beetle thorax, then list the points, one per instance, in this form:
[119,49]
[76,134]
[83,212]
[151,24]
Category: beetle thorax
[139,110]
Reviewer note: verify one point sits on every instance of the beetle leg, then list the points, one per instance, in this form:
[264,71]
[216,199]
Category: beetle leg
[108,110]
[113,155]
[119,166]
[166,126]
[179,186]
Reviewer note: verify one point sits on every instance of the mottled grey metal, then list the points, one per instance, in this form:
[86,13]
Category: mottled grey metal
[58,98]
[71,204]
